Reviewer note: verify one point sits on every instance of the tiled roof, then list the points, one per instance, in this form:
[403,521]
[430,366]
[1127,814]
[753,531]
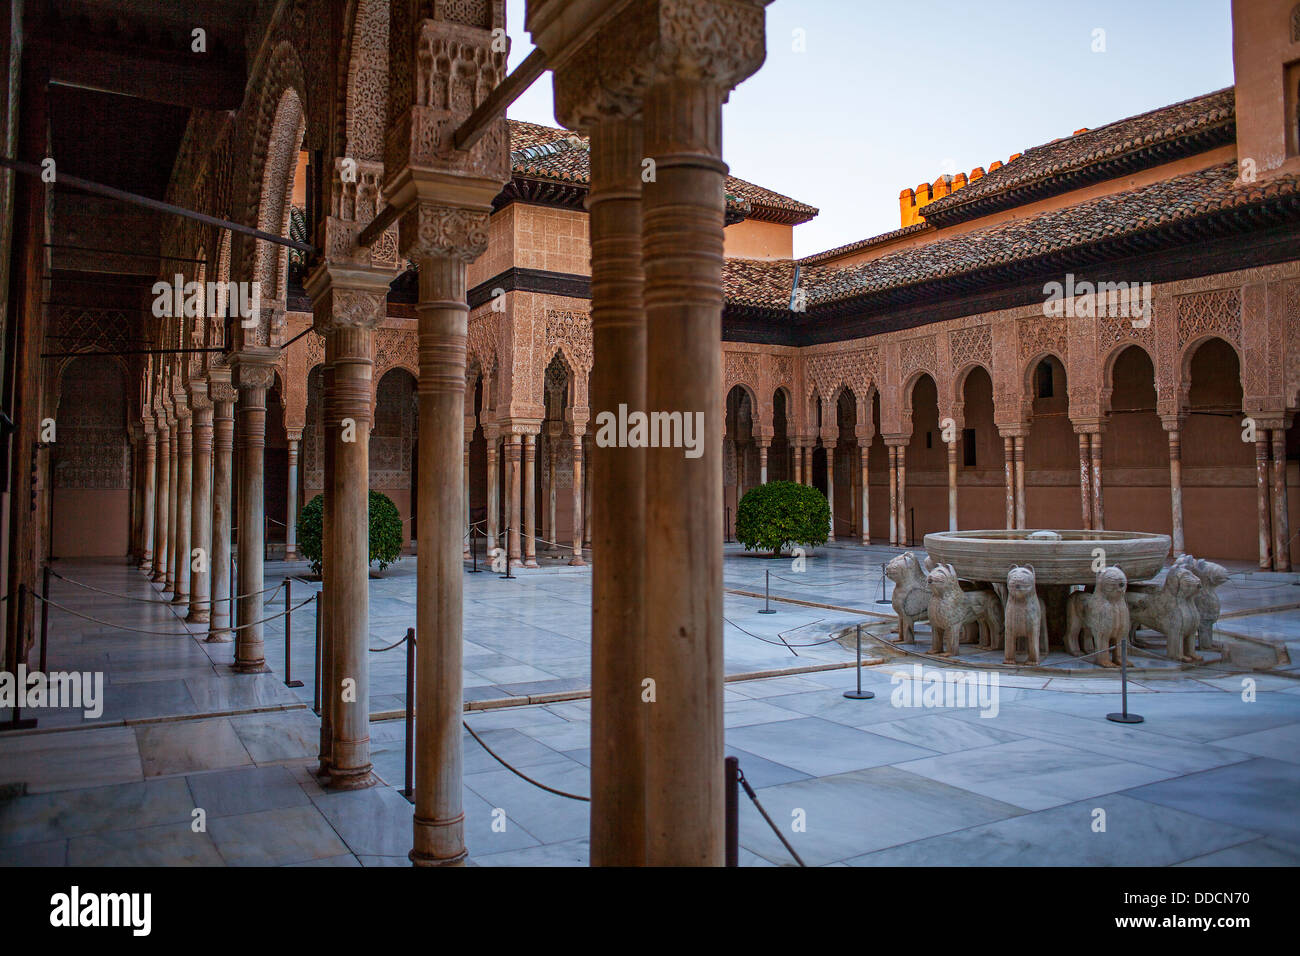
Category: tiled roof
[544,152]
[762,283]
[882,239]
[1178,200]
[1202,120]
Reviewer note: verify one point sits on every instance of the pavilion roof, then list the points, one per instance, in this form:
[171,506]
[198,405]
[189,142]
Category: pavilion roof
[559,156]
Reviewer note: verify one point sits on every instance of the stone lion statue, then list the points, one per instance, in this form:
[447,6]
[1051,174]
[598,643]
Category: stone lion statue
[1172,611]
[911,597]
[1101,614]
[1023,617]
[952,609]
[1207,599]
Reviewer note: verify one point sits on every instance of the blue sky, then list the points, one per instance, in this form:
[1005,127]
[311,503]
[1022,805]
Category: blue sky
[889,94]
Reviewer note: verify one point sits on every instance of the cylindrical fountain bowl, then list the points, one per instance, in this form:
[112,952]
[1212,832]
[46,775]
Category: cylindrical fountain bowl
[989,555]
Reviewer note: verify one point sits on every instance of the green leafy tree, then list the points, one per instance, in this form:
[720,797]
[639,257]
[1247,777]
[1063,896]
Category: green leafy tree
[778,514]
[310,520]
[385,531]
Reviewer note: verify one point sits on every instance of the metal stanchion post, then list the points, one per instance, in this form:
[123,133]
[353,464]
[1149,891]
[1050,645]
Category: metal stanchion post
[731,778]
[45,612]
[767,593]
[409,792]
[507,576]
[859,694]
[882,599]
[233,595]
[1124,717]
[288,632]
[17,721]
[315,694]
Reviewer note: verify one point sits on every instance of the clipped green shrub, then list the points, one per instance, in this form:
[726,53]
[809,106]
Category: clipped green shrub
[780,513]
[385,531]
[310,520]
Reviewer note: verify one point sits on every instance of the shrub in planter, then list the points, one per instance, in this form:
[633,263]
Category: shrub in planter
[385,531]
[780,513]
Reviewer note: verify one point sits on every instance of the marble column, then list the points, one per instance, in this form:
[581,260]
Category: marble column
[864,452]
[903,539]
[1098,513]
[1281,520]
[201,504]
[618,376]
[184,500]
[762,462]
[893,496]
[1175,486]
[493,492]
[173,487]
[255,374]
[1085,479]
[1020,482]
[160,553]
[348,301]
[587,484]
[514,461]
[149,502]
[1262,499]
[351,334]
[291,499]
[682,255]
[796,452]
[551,451]
[579,525]
[952,483]
[830,485]
[329,562]
[441,240]
[223,395]
[853,491]
[530,500]
[1009,479]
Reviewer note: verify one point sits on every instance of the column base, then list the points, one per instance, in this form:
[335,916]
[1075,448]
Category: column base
[250,667]
[530,563]
[291,553]
[198,617]
[427,832]
[146,566]
[577,562]
[180,598]
[322,769]
[157,578]
[218,637]
[352,780]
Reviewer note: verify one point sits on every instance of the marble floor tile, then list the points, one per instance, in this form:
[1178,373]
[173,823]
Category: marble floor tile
[188,745]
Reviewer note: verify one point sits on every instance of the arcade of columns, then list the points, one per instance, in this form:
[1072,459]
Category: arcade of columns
[651,83]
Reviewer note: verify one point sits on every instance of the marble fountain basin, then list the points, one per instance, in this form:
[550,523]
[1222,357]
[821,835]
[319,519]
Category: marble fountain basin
[1057,557]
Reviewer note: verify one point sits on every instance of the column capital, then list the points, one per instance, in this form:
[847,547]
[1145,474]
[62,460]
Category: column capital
[1083,426]
[430,229]
[1016,429]
[897,441]
[348,297]
[199,397]
[254,368]
[1172,423]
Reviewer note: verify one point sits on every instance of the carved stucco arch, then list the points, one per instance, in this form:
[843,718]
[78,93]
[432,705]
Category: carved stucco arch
[909,389]
[1184,366]
[363,81]
[1108,373]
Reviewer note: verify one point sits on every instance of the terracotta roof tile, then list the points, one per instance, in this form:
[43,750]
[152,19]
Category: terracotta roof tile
[543,152]
[1073,153]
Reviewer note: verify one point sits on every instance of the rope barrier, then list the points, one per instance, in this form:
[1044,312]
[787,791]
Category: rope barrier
[380,650]
[140,600]
[781,634]
[519,773]
[137,630]
[753,797]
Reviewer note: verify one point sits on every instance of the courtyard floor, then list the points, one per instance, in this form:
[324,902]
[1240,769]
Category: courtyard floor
[1211,777]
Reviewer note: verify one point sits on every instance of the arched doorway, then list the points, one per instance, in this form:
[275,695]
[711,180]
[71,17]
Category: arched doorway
[925,506]
[981,501]
[779,465]
[1218,467]
[739,452]
[393,444]
[91,461]
[1135,449]
[1051,450]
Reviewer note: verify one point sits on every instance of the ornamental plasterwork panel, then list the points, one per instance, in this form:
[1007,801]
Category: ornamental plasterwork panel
[569,331]
[1210,313]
